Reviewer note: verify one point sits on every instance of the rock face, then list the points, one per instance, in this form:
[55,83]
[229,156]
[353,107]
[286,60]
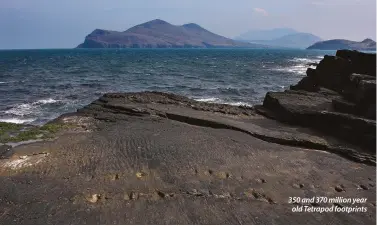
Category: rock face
[367,44]
[338,98]
[160,34]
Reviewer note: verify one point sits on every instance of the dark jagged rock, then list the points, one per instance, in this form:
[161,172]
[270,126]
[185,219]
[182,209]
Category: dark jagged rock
[348,111]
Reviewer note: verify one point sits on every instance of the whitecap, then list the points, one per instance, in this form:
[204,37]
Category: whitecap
[237,104]
[219,101]
[46,101]
[21,109]
[305,60]
[208,99]
[17,120]
[30,108]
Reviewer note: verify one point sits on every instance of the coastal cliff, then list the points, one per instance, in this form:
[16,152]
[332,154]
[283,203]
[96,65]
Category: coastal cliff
[158,158]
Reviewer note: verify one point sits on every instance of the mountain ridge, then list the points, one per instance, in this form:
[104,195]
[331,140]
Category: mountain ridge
[161,34]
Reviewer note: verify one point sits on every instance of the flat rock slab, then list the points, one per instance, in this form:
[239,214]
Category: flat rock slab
[178,163]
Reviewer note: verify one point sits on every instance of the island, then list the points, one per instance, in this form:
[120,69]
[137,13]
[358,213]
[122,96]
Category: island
[365,45]
[160,158]
[161,34]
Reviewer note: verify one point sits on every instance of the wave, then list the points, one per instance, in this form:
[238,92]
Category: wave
[296,69]
[17,120]
[30,108]
[209,99]
[46,101]
[2,82]
[306,60]
[216,100]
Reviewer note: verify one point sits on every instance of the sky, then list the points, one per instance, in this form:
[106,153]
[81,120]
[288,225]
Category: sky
[35,24]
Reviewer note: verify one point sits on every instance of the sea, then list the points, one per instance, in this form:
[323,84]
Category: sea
[39,85]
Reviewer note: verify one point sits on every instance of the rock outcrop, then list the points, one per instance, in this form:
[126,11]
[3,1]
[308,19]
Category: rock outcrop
[157,158]
[337,98]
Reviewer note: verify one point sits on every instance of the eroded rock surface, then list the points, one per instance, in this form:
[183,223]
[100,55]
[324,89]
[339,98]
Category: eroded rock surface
[156,158]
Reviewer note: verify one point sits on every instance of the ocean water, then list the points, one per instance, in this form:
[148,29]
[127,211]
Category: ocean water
[39,85]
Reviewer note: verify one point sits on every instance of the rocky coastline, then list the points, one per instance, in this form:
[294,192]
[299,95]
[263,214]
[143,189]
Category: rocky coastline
[158,158]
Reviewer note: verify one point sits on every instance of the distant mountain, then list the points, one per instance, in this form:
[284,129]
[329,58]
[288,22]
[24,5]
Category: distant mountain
[160,34]
[280,37]
[335,44]
[266,34]
[296,40]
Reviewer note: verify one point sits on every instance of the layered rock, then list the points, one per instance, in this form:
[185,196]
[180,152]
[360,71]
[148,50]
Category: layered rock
[338,97]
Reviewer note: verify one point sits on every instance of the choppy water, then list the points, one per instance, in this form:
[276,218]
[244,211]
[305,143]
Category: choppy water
[39,85]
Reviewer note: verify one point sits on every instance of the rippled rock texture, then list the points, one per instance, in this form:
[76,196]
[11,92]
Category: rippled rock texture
[157,158]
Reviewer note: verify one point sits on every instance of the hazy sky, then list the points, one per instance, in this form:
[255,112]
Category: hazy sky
[65,23]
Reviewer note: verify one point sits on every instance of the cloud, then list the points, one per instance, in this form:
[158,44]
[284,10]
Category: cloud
[261,11]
